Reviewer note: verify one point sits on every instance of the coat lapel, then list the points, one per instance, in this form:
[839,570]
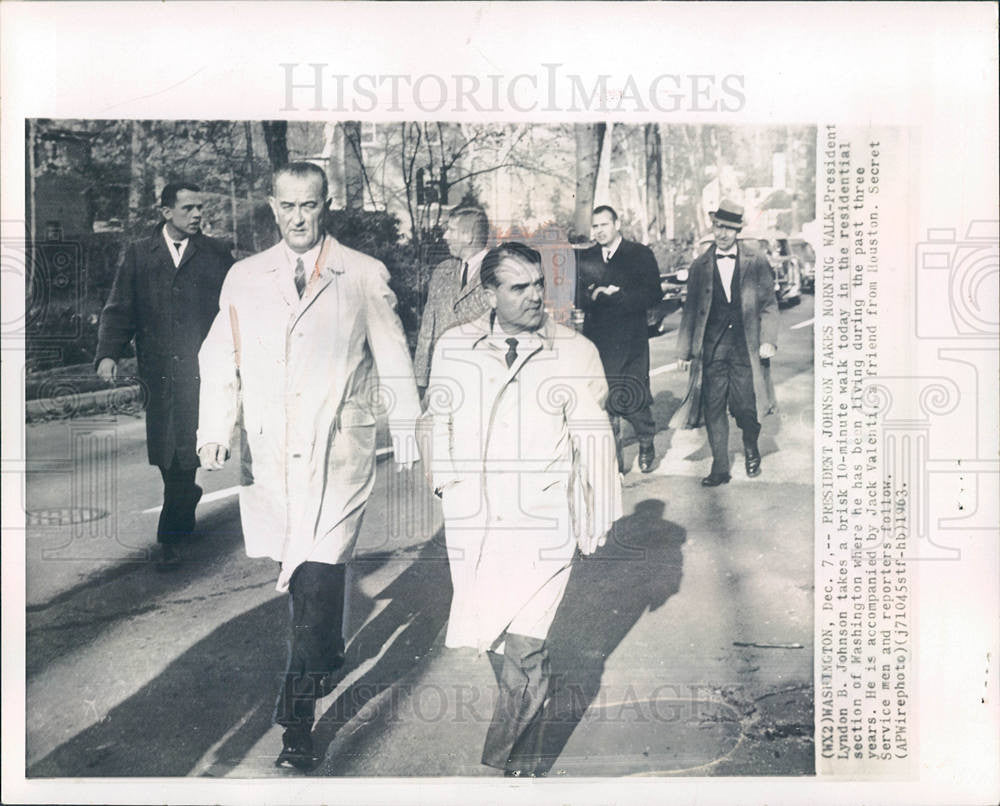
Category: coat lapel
[281,280]
[189,250]
[737,274]
[160,254]
[322,278]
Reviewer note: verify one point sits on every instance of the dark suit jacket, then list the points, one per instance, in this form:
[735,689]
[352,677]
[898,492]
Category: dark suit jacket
[617,324]
[759,307]
[168,312]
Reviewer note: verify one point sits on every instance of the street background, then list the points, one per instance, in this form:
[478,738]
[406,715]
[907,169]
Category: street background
[682,647]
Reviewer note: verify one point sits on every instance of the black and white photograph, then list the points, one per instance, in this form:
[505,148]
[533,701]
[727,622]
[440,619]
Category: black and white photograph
[596,563]
[565,403]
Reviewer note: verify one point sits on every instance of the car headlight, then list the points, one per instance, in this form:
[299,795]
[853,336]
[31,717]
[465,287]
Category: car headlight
[682,276]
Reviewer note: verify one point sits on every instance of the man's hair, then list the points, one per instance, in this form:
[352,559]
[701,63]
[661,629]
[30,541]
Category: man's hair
[473,224]
[605,208]
[301,170]
[511,249]
[168,197]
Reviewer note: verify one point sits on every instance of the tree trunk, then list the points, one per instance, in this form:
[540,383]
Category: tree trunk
[602,185]
[236,211]
[654,183]
[137,174]
[637,189]
[251,184]
[276,137]
[588,137]
[354,170]
[668,193]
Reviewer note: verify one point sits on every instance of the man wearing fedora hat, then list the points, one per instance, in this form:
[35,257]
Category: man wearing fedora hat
[729,324]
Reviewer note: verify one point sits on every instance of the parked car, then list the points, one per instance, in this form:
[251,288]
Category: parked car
[784,263]
[671,257]
[804,251]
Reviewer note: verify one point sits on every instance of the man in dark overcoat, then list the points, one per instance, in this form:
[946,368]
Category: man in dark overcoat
[165,296]
[617,282]
[729,324]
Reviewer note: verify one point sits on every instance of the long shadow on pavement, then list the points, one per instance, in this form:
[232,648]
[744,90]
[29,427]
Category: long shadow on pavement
[607,594]
[224,682]
[418,601]
[220,693]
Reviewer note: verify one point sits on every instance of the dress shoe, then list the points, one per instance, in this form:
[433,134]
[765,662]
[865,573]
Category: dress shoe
[296,750]
[647,455]
[752,456]
[715,479]
[169,558]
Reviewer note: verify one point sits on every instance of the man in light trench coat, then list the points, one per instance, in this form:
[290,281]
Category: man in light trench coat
[300,330]
[524,463]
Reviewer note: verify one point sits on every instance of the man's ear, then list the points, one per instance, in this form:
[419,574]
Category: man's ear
[274,206]
[491,296]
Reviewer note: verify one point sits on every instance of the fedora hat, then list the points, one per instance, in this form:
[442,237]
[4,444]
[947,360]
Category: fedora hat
[728,213]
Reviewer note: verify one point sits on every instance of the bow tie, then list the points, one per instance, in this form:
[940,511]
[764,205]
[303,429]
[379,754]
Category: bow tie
[721,255]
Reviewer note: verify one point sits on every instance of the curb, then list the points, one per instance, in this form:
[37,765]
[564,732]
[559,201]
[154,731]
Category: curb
[103,401]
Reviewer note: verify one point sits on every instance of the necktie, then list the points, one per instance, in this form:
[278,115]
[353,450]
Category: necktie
[300,277]
[511,356]
[465,272]
[607,255]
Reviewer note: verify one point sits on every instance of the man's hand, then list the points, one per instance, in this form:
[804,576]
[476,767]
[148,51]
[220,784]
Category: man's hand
[107,370]
[609,290]
[684,364]
[213,455]
[589,543]
[405,451]
[767,350]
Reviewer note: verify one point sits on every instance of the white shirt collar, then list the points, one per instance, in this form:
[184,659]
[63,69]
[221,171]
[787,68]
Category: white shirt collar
[308,258]
[178,253]
[527,340]
[612,247]
[727,270]
[474,263]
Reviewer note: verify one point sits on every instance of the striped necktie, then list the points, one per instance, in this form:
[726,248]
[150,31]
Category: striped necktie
[300,277]
[511,355]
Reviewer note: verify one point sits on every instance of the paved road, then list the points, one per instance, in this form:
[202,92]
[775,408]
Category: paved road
[684,647]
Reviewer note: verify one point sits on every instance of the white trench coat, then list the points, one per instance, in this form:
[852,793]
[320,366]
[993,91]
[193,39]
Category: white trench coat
[309,389]
[524,461]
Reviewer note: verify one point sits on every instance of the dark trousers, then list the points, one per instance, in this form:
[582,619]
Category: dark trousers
[727,380]
[522,674]
[180,498]
[316,645]
[626,400]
